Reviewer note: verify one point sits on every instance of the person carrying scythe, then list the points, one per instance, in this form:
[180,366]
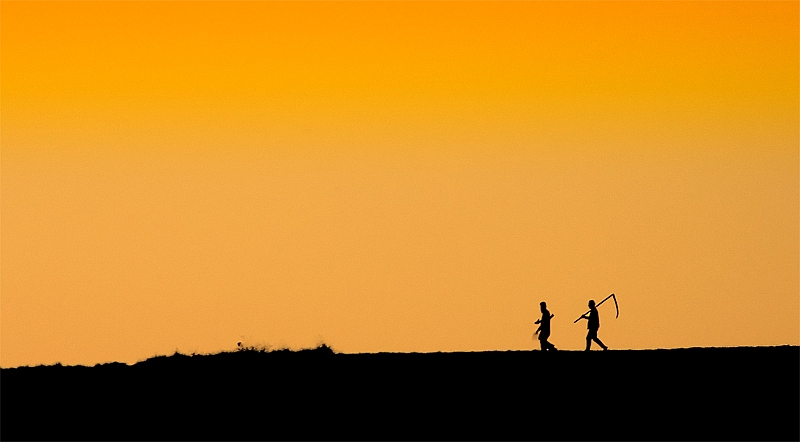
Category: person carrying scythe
[594,325]
[544,328]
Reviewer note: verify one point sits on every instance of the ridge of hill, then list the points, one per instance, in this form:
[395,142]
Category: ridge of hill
[739,393]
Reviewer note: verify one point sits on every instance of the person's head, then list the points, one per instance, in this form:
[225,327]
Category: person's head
[591,303]
[543,305]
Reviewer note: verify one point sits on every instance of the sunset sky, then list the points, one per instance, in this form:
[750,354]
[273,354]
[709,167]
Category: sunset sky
[395,177]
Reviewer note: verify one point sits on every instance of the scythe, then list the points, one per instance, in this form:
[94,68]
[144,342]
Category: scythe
[598,305]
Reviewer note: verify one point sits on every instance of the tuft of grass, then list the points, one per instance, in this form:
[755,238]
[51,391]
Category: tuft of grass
[323,348]
[253,348]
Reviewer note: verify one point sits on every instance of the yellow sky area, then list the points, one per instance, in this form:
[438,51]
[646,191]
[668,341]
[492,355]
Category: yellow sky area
[395,176]
[349,74]
[121,261]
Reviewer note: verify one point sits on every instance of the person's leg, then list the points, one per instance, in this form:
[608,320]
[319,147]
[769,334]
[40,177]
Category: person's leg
[543,339]
[588,340]
[600,343]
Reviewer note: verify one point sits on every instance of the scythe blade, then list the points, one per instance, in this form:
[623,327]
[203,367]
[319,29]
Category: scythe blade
[601,302]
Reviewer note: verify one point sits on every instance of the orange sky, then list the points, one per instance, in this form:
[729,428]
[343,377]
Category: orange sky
[395,176]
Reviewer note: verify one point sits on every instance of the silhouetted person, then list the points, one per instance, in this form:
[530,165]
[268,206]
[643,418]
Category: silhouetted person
[594,325]
[544,328]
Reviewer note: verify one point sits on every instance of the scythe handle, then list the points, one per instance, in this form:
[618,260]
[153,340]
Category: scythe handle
[598,305]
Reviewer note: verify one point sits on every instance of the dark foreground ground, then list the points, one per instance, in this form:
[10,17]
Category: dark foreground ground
[685,394]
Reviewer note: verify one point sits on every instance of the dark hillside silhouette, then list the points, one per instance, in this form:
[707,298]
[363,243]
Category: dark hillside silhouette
[748,393]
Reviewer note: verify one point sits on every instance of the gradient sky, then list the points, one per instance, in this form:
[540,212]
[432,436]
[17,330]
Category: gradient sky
[400,177]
